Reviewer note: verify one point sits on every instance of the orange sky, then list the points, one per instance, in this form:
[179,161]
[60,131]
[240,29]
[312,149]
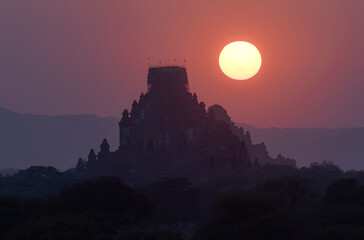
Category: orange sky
[70,57]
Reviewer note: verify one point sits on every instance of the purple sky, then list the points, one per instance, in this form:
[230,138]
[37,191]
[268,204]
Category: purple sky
[70,57]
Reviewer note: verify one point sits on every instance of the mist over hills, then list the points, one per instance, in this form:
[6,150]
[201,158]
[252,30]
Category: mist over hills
[27,140]
[343,146]
[58,141]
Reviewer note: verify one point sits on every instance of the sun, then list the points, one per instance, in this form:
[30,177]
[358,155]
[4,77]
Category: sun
[240,60]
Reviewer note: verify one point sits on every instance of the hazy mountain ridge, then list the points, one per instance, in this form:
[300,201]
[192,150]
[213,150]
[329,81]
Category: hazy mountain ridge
[58,141]
[343,146]
[27,139]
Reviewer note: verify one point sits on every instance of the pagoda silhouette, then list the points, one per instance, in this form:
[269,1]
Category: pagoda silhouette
[169,128]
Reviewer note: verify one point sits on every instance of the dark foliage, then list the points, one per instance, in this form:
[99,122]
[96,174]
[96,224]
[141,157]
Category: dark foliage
[49,228]
[285,208]
[15,210]
[149,235]
[107,201]
[318,202]
[345,192]
[35,182]
[175,199]
[95,209]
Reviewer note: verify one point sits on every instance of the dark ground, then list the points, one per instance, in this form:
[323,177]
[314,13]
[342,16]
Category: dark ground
[271,202]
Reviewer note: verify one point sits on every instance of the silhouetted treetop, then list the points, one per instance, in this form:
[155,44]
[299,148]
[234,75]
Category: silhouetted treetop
[105,199]
[345,191]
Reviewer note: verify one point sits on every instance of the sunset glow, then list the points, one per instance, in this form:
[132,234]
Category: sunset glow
[240,60]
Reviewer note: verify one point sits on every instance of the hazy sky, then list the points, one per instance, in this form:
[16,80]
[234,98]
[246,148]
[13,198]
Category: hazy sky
[70,57]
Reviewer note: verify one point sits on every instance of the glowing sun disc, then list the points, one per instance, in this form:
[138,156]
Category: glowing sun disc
[240,60]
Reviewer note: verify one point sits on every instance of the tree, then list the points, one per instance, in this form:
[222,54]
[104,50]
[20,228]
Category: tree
[107,201]
[290,191]
[15,211]
[345,192]
[237,217]
[175,200]
[55,228]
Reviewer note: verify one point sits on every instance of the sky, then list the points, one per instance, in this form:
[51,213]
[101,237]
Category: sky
[91,56]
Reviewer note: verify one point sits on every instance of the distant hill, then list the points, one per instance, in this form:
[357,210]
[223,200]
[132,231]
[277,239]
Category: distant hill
[58,141]
[343,146]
